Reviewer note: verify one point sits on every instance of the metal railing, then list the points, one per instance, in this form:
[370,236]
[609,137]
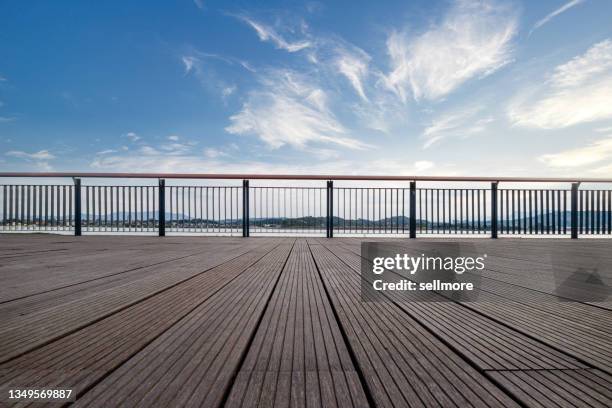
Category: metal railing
[329,210]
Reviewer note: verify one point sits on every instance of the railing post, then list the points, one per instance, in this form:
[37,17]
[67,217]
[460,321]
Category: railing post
[494,209]
[162,208]
[77,206]
[413,211]
[574,209]
[245,208]
[330,209]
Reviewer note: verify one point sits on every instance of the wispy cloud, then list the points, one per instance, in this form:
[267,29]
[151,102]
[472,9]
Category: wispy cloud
[604,130]
[228,91]
[353,64]
[474,39]
[555,13]
[206,163]
[213,153]
[206,75]
[40,155]
[595,152]
[173,138]
[199,4]
[462,123]
[132,136]
[148,150]
[268,33]
[290,110]
[189,62]
[40,159]
[107,151]
[6,119]
[578,91]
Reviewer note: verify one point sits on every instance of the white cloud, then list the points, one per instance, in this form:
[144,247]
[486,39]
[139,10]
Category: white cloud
[578,91]
[189,62]
[6,119]
[463,123]
[423,165]
[473,39]
[267,33]
[604,130]
[595,152]
[228,91]
[176,148]
[173,138]
[107,151]
[213,153]
[555,13]
[40,155]
[207,75]
[199,4]
[132,136]
[44,166]
[204,164]
[603,170]
[148,150]
[289,110]
[354,66]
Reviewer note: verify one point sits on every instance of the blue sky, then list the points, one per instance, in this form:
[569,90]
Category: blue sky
[461,87]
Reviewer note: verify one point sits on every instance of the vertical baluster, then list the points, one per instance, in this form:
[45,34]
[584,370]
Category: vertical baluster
[28,207]
[123,201]
[420,212]
[547,210]
[461,214]
[564,201]
[446,211]
[4,207]
[559,206]
[553,212]
[581,211]
[63,207]
[35,207]
[71,198]
[479,192]
[530,211]
[46,195]
[609,211]
[598,211]
[455,209]
[524,193]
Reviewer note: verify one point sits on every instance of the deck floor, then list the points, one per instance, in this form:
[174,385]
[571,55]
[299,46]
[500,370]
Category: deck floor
[220,321]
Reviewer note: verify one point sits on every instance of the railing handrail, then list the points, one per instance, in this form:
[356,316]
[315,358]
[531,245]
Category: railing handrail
[229,176]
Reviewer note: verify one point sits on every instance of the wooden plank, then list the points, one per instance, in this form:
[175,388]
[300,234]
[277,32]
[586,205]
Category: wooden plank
[89,260]
[484,342]
[555,388]
[39,328]
[566,334]
[85,357]
[300,340]
[403,364]
[196,360]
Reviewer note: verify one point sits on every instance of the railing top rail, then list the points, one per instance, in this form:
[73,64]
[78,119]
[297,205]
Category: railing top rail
[309,177]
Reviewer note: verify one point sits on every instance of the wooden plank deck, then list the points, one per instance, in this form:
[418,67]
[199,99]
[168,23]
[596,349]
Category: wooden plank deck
[220,321]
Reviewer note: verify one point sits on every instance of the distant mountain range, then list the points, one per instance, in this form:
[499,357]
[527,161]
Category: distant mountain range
[399,222]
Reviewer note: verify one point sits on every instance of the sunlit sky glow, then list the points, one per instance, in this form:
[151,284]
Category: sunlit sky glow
[463,87]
